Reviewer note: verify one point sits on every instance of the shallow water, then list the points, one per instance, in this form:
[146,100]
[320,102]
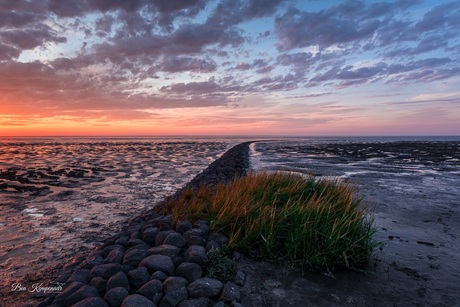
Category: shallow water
[59,197]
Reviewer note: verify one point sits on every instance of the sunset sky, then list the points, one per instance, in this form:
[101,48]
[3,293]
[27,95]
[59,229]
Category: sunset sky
[229,67]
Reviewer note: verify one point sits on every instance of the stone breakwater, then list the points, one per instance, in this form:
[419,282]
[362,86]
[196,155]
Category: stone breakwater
[155,263]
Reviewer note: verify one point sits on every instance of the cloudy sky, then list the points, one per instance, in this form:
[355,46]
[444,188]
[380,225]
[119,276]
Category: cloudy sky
[233,67]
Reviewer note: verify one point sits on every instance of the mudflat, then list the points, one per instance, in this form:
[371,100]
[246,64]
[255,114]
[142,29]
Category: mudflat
[413,187]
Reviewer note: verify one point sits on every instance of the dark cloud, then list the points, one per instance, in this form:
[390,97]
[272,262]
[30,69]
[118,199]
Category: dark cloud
[233,12]
[176,5]
[70,8]
[66,64]
[12,19]
[297,29]
[426,69]
[181,63]
[350,23]
[277,83]
[203,88]
[444,15]
[194,37]
[104,25]
[260,65]
[7,52]
[30,38]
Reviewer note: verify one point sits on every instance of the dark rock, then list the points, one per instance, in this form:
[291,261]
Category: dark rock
[196,232]
[212,245]
[219,238]
[142,246]
[69,290]
[46,302]
[134,256]
[161,276]
[118,280]
[219,304]
[91,302]
[190,271]
[165,249]
[116,255]
[62,279]
[122,240]
[80,276]
[195,302]
[200,223]
[204,287]
[204,227]
[236,304]
[99,283]
[240,278]
[105,270]
[135,235]
[136,300]
[83,293]
[230,292]
[173,298]
[134,242]
[108,249]
[183,226]
[196,254]
[196,240]
[149,235]
[161,236]
[96,252]
[74,263]
[175,239]
[115,296]
[173,282]
[92,261]
[165,223]
[138,277]
[177,260]
[158,263]
[151,290]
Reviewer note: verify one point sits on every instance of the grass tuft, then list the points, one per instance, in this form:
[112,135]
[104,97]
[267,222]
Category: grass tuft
[320,225]
[220,266]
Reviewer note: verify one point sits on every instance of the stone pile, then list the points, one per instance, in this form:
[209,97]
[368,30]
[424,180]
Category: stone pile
[154,265]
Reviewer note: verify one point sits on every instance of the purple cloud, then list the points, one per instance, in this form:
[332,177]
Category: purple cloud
[182,63]
[260,65]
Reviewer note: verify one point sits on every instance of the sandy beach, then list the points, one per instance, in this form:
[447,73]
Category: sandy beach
[411,186]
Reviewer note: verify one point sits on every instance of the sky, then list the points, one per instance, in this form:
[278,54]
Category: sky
[229,67]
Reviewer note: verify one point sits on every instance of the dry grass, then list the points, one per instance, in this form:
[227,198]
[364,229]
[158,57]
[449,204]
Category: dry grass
[317,225]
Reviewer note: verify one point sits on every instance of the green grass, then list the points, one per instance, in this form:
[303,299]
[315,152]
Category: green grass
[320,225]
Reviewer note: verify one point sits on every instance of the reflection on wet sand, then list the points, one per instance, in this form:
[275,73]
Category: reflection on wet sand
[58,198]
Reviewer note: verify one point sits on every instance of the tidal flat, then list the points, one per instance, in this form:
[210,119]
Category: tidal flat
[59,198]
[412,183]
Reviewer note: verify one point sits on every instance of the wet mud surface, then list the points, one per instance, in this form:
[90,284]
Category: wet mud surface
[413,187]
[59,200]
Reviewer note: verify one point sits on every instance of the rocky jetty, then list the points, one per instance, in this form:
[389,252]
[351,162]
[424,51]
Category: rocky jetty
[153,262]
